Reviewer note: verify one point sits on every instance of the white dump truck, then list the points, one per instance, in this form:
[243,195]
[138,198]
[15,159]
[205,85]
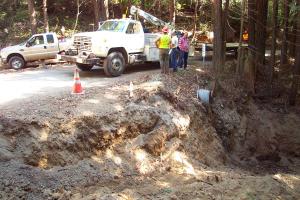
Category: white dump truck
[38,47]
[116,44]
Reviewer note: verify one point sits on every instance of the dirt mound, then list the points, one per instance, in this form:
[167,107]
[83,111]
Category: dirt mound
[144,136]
[162,143]
[45,145]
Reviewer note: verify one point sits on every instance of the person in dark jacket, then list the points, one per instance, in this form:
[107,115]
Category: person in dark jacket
[184,50]
[174,52]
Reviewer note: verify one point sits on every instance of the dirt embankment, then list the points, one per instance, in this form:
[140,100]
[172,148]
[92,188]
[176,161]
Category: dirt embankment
[160,144]
[255,133]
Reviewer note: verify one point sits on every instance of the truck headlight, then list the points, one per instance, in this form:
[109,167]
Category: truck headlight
[101,41]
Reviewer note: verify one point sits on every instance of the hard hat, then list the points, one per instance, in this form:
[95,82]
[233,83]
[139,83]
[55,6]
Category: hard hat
[165,30]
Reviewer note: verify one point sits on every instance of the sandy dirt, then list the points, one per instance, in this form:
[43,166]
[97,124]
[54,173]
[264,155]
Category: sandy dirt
[162,143]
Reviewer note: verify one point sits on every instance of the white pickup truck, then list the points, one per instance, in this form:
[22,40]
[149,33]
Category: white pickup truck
[38,47]
[117,43]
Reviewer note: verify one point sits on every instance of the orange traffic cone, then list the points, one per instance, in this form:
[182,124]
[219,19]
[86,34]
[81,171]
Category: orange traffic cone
[77,88]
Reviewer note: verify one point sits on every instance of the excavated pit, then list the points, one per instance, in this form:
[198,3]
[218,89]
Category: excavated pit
[157,131]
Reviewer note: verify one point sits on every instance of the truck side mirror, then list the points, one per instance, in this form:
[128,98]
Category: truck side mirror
[28,44]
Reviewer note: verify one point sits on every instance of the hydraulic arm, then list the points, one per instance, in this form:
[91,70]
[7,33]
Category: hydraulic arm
[148,17]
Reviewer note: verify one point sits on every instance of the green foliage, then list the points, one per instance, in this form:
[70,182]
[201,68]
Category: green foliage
[178,6]
[2,15]
[21,15]
[294,9]
[204,27]
[14,14]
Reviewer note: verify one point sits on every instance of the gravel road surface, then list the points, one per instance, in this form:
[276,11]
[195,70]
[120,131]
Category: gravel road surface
[18,85]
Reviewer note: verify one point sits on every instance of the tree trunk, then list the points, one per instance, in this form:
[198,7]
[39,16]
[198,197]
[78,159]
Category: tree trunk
[46,22]
[240,52]
[104,10]
[274,35]
[251,25]
[296,74]
[32,16]
[284,45]
[159,8]
[172,11]
[143,4]
[96,13]
[129,3]
[195,18]
[292,39]
[77,16]
[225,26]
[16,4]
[251,42]
[260,35]
[218,61]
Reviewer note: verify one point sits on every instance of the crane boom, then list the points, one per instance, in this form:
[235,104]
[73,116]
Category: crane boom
[148,17]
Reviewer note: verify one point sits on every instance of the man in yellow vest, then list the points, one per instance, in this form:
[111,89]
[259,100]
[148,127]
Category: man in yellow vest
[163,43]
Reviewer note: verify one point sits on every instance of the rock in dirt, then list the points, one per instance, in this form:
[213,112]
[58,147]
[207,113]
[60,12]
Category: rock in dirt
[155,141]
[5,155]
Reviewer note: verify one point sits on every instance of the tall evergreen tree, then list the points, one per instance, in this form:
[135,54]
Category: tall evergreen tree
[284,45]
[45,13]
[296,69]
[260,32]
[32,16]
[218,61]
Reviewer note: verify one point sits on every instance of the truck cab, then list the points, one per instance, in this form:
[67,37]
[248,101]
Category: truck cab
[37,47]
[125,33]
[117,43]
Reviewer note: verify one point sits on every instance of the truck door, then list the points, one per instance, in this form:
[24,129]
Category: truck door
[52,46]
[36,48]
[134,38]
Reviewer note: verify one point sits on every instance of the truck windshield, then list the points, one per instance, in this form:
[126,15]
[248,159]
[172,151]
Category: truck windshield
[115,26]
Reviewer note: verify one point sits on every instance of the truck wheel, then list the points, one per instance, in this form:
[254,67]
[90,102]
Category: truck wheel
[114,64]
[16,62]
[84,67]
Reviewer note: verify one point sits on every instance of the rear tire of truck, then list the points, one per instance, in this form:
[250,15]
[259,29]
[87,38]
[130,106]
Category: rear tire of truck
[84,67]
[114,64]
[16,62]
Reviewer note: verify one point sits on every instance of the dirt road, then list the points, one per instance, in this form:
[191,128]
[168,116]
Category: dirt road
[31,82]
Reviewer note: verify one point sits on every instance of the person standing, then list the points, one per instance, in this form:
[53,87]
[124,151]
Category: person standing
[174,51]
[163,43]
[184,50]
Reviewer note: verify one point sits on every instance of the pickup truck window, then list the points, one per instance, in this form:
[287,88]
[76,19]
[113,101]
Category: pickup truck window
[116,26]
[133,28]
[130,29]
[50,39]
[37,40]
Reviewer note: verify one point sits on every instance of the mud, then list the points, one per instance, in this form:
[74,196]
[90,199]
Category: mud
[162,143]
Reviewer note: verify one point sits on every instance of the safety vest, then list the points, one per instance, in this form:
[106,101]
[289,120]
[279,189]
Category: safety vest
[164,42]
[245,36]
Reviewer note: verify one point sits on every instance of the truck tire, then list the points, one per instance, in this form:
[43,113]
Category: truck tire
[114,64]
[84,67]
[16,62]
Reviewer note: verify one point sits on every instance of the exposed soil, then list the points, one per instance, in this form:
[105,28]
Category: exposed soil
[162,143]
